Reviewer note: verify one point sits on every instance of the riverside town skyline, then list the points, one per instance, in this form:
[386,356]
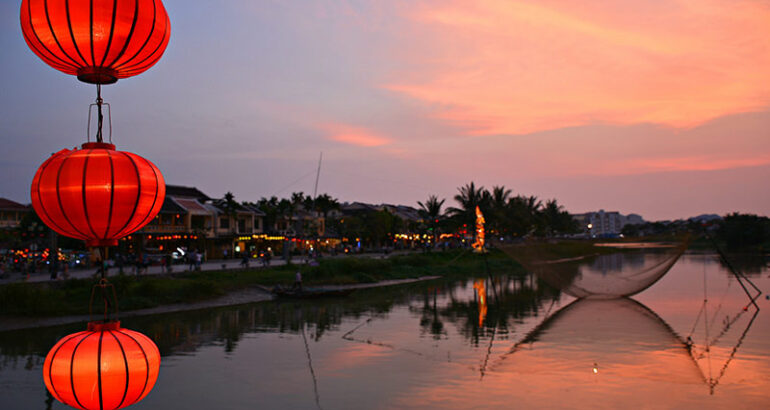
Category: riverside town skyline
[668,118]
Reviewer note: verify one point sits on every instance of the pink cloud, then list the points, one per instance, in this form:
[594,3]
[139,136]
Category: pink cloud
[502,67]
[349,134]
[698,163]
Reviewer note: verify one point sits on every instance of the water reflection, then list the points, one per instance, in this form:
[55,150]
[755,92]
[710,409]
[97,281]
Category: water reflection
[620,336]
[481,342]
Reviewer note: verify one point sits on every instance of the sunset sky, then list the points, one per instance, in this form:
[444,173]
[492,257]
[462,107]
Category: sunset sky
[657,107]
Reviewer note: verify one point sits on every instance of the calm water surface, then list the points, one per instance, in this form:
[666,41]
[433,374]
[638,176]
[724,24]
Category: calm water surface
[513,341]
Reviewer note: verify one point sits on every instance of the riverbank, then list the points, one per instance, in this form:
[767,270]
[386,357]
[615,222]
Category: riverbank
[238,297]
[194,289]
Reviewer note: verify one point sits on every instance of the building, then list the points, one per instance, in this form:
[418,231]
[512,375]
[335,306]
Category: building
[190,219]
[11,213]
[604,223]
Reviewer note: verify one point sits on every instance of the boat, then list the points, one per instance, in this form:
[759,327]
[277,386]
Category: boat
[309,292]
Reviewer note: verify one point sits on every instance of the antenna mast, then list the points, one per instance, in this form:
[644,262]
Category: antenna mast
[317,175]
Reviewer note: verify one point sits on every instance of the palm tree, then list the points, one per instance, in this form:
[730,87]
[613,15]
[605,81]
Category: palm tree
[523,214]
[297,201]
[498,203]
[550,216]
[469,198]
[230,206]
[325,203]
[270,208]
[431,211]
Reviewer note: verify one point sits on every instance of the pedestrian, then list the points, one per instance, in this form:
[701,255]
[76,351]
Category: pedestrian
[198,260]
[191,260]
[119,260]
[245,261]
[53,268]
[298,281]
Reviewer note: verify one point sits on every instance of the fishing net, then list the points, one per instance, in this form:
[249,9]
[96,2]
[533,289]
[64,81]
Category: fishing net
[588,274]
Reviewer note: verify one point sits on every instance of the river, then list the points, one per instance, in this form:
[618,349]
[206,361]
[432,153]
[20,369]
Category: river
[691,339]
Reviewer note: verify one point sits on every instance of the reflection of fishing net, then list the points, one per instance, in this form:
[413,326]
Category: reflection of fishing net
[616,339]
[587,274]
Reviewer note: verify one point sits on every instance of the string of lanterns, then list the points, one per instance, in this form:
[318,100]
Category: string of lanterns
[96,193]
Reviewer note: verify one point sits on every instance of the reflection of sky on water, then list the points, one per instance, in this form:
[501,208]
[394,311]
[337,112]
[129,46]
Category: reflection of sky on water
[423,346]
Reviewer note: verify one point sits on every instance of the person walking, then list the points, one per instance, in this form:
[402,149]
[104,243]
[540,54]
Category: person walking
[198,260]
[298,281]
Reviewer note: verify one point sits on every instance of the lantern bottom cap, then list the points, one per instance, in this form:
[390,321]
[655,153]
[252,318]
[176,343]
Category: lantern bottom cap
[97,75]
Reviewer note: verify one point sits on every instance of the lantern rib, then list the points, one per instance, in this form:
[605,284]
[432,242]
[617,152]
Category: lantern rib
[50,366]
[153,58]
[155,197]
[72,33]
[112,32]
[125,363]
[61,205]
[130,34]
[91,33]
[146,362]
[99,365]
[149,36]
[83,189]
[112,195]
[42,203]
[138,67]
[138,193]
[53,34]
[72,365]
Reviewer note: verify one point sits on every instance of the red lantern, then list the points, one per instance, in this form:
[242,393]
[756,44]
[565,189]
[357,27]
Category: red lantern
[105,367]
[96,193]
[100,41]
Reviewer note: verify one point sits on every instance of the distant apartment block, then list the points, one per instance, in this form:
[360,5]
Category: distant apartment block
[603,223]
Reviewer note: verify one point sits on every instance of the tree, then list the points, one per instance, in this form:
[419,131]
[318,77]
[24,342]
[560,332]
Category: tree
[431,212]
[230,206]
[325,203]
[523,214]
[469,197]
[270,208]
[499,217]
[744,231]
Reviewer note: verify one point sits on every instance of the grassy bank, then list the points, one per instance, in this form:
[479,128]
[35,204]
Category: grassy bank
[71,297]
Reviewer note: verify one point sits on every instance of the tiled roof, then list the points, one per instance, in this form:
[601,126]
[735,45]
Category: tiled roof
[171,207]
[8,205]
[192,206]
[179,191]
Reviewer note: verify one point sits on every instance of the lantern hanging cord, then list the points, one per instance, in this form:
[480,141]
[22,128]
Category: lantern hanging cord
[100,118]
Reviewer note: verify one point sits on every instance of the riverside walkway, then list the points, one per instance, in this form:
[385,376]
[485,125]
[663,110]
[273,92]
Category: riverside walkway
[208,266]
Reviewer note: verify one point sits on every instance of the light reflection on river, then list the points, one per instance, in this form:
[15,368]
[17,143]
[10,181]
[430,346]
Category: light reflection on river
[510,342]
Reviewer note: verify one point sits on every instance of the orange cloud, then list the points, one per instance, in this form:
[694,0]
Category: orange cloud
[504,67]
[354,135]
[694,163]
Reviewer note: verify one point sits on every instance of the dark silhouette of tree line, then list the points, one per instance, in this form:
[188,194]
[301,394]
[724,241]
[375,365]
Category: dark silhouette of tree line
[507,215]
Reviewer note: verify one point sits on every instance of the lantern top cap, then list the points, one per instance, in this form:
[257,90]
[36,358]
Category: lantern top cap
[98,145]
[100,326]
